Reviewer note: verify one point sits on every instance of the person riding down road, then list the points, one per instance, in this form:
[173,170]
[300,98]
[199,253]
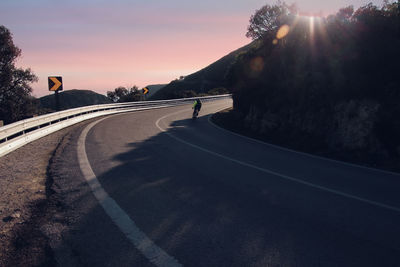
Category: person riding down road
[196,106]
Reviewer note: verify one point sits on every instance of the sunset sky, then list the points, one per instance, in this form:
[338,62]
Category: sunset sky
[99,45]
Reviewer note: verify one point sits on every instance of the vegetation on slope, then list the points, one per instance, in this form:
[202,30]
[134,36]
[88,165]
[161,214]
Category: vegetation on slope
[122,94]
[323,84]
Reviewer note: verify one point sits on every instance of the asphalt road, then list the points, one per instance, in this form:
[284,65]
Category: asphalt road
[206,197]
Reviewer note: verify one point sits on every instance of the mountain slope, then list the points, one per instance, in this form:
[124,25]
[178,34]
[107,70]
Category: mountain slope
[201,82]
[154,88]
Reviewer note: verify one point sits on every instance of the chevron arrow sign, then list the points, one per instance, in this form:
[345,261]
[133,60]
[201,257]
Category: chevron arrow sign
[55,83]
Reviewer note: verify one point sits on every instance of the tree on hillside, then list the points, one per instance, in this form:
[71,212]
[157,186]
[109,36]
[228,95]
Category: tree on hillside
[268,19]
[16,102]
[122,94]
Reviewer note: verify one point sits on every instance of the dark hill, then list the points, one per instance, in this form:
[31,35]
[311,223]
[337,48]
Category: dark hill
[333,92]
[212,76]
[154,88]
[74,99]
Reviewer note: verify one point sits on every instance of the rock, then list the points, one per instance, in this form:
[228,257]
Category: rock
[16,214]
[269,122]
[8,219]
[354,122]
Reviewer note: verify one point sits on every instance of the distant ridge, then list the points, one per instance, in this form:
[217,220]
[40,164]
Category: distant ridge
[200,82]
[73,99]
[154,88]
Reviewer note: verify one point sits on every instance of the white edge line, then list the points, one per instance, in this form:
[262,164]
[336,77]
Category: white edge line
[299,152]
[299,181]
[145,245]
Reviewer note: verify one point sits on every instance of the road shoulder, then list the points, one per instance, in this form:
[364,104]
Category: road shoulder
[26,201]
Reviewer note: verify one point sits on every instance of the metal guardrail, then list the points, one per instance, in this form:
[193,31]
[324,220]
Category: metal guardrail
[20,133]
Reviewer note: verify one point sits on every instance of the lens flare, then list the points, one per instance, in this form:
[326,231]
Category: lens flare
[283,31]
[255,67]
[312,26]
[257,64]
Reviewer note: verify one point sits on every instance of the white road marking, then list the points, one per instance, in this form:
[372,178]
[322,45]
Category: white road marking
[299,181]
[301,153]
[145,245]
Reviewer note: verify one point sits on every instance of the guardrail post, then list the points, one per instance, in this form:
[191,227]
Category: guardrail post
[1,123]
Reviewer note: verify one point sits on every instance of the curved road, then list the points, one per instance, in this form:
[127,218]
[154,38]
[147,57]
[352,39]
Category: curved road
[182,192]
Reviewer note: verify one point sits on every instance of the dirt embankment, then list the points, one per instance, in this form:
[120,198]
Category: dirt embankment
[25,205]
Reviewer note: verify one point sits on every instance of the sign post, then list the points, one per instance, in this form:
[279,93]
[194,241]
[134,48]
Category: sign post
[145,92]
[55,85]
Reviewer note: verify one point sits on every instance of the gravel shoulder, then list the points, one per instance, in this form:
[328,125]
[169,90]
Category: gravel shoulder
[48,215]
[26,201]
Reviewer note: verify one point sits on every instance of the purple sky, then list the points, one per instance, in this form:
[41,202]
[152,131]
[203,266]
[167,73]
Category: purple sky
[100,45]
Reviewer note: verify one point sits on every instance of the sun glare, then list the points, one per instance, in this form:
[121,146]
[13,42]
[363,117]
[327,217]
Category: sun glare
[311,25]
